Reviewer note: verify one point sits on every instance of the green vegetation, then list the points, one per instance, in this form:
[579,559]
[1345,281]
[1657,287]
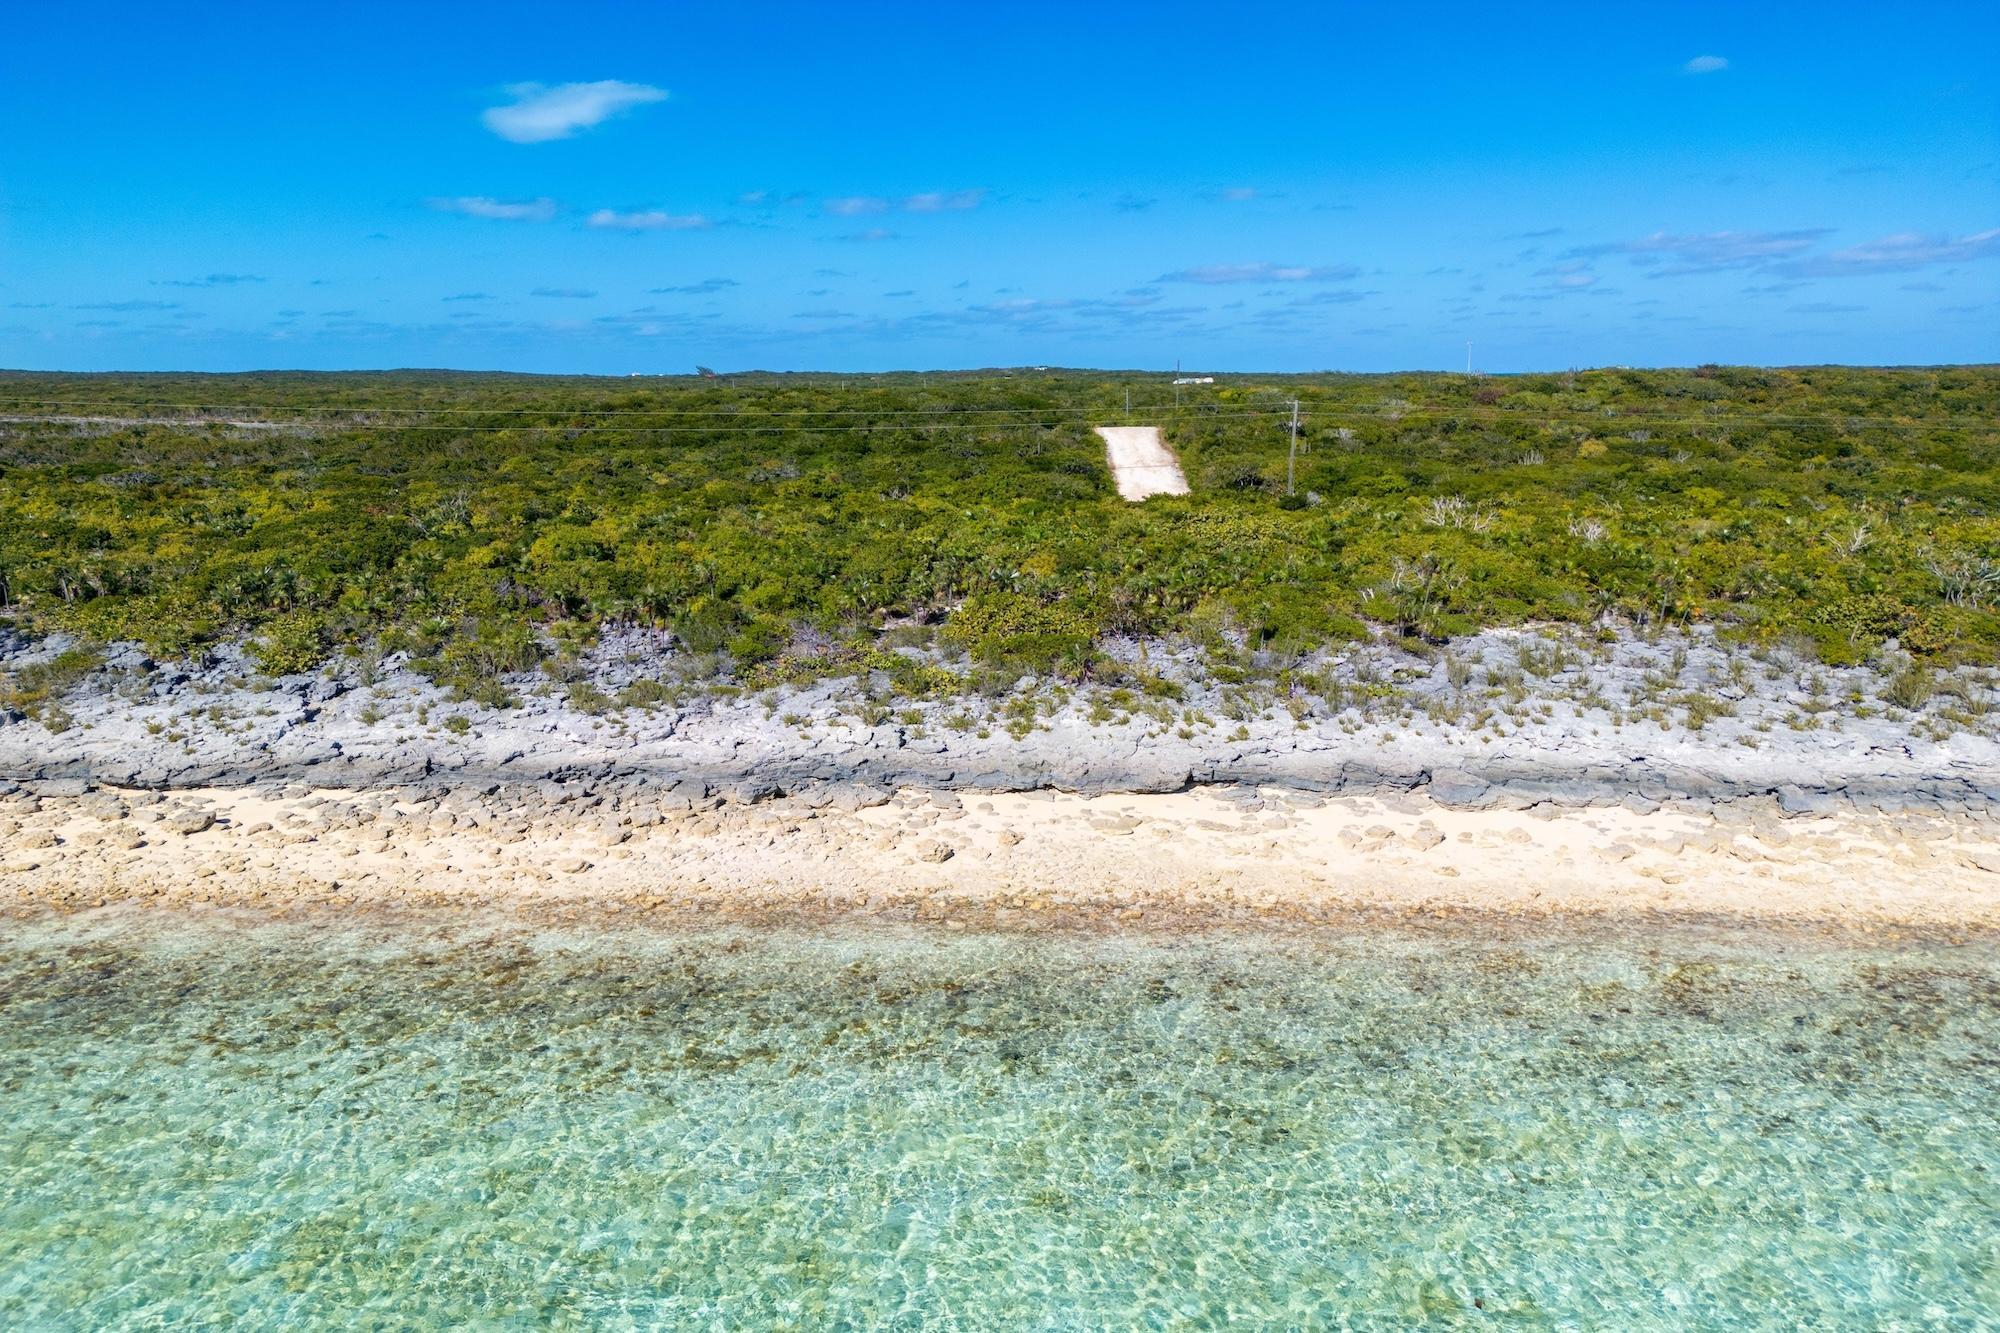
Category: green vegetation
[36,690]
[787,526]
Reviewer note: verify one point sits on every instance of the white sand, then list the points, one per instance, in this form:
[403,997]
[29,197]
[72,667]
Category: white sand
[1019,858]
[1141,463]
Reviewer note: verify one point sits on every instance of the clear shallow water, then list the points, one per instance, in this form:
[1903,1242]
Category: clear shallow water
[361,1126]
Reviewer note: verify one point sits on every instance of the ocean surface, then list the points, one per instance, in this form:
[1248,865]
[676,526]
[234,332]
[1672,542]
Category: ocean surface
[356,1124]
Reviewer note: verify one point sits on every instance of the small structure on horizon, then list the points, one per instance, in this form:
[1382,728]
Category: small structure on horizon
[1194,379]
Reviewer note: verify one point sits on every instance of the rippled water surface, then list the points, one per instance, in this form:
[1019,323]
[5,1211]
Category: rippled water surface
[372,1125]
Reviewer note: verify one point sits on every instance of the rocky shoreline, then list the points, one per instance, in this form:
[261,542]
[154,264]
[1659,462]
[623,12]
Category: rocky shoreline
[1637,723]
[1522,774]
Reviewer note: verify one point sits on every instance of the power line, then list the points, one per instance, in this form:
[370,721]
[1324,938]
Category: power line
[627,432]
[549,411]
[1481,411]
[917,425]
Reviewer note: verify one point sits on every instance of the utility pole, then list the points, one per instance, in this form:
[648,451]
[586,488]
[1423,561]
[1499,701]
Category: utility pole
[1128,402]
[1292,458]
[1468,356]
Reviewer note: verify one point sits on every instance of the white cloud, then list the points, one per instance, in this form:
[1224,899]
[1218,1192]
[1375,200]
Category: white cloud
[648,220]
[1900,253]
[935,201]
[872,234]
[1784,253]
[1222,273]
[952,201]
[499,210]
[1705,65]
[540,112]
[1570,276]
[1239,193]
[1708,252]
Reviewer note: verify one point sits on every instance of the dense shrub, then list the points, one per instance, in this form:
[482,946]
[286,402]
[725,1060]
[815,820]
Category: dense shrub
[467,519]
[1006,629]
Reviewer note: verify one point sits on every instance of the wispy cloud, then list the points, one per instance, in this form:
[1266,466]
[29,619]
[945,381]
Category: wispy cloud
[950,201]
[872,234]
[541,112]
[127,307]
[1706,65]
[1238,193]
[565,293]
[210,280]
[469,296]
[935,201]
[1787,254]
[498,210]
[705,287]
[1570,276]
[1826,308]
[1225,273]
[1708,252]
[1133,203]
[1900,253]
[651,219]
[1339,296]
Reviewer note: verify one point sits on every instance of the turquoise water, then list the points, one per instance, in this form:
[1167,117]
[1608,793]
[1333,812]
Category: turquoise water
[395,1125]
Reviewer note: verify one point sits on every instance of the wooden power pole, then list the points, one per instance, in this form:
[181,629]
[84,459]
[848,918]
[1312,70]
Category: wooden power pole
[1292,458]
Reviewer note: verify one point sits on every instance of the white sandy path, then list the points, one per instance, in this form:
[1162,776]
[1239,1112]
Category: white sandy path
[1141,463]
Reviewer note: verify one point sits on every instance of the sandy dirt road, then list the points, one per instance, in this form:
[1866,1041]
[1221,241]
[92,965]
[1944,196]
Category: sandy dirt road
[1141,463]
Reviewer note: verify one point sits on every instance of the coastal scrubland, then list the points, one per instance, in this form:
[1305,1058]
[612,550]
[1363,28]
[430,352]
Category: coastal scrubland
[951,533]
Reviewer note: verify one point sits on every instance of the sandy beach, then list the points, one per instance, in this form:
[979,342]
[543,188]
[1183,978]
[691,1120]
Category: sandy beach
[1001,859]
[190,784]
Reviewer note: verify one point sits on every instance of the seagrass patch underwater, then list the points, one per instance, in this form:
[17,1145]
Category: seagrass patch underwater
[484,1124]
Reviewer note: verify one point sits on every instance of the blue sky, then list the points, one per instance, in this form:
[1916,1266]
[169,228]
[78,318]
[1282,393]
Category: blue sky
[619,188]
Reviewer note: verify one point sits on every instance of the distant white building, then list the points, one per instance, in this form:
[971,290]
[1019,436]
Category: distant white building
[1195,379]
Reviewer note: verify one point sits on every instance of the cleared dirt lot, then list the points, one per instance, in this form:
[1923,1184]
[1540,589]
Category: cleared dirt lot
[1141,463]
